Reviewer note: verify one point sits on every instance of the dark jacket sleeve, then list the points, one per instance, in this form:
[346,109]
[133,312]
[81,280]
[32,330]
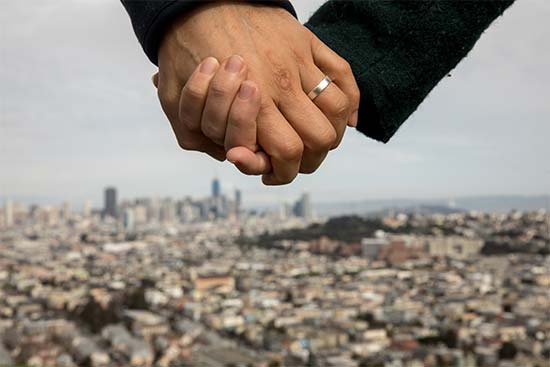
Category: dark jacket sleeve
[400,50]
[150,18]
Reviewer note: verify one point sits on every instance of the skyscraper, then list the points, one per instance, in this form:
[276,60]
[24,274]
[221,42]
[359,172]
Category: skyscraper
[302,207]
[238,201]
[216,189]
[110,208]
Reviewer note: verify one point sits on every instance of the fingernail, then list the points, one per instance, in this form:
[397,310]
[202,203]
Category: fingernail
[354,119]
[235,64]
[209,66]
[246,91]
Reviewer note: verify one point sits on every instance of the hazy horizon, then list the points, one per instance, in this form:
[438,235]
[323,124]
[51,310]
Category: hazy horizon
[79,113]
[324,206]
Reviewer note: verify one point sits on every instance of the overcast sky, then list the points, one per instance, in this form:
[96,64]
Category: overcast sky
[78,113]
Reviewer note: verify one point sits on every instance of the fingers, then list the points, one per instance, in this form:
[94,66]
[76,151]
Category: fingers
[248,162]
[313,127]
[240,133]
[221,93]
[332,102]
[194,93]
[281,143]
[241,123]
[341,74]
[240,136]
[169,93]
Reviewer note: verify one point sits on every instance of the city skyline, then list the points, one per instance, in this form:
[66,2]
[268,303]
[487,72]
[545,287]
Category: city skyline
[69,128]
[484,203]
[134,212]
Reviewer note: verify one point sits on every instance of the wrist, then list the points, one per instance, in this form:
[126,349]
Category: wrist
[185,13]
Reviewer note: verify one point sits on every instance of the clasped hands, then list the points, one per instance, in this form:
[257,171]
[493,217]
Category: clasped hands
[234,80]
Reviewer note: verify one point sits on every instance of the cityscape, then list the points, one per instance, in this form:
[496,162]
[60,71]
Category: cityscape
[206,282]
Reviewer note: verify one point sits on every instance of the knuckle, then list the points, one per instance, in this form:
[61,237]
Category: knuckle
[343,67]
[312,164]
[292,150]
[191,125]
[283,79]
[355,97]
[218,90]
[167,98]
[337,142]
[340,108]
[169,104]
[307,170]
[185,143]
[325,139]
[212,131]
[239,119]
[194,93]
[287,178]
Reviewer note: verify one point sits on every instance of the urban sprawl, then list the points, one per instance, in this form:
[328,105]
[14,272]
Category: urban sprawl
[162,282]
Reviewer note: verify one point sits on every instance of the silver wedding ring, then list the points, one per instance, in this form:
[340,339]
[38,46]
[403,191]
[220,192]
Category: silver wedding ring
[323,84]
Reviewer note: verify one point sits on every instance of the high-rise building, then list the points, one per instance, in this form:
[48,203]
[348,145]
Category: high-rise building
[216,188]
[302,208]
[110,208]
[238,201]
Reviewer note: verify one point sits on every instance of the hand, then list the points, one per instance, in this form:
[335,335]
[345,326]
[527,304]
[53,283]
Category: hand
[284,59]
[233,114]
[237,112]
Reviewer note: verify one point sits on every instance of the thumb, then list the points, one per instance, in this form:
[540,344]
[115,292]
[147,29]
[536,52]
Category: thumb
[249,162]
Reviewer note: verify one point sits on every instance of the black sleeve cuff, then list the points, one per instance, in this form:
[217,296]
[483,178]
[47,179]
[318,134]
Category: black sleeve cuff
[150,19]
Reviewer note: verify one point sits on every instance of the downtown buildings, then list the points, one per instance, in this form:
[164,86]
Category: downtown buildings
[147,211]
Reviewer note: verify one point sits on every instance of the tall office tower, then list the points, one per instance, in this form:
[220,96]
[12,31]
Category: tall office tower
[302,208]
[238,201]
[8,213]
[110,208]
[308,210]
[216,188]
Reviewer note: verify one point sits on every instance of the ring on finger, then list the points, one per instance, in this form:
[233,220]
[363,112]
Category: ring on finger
[323,84]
